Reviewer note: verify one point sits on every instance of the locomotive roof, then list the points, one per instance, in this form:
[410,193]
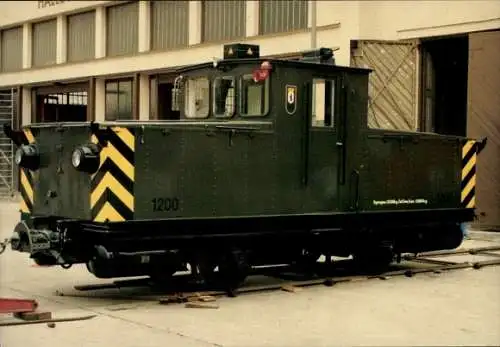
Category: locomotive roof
[274,61]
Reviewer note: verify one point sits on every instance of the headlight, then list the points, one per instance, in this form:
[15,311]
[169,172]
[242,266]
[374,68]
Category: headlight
[86,158]
[27,156]
[76,158]
[19,156]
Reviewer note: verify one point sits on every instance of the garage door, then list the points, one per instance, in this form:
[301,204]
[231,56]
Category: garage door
[483,119]
[392,88]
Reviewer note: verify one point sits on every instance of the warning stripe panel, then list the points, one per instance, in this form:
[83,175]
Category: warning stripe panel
[469,156]
[102,212]
[112,186]
[27,180]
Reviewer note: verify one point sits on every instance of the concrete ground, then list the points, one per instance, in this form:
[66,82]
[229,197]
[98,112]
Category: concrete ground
[455,308]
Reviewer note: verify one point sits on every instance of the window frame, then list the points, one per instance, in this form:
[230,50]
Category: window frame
[242,92]
[132,96]
[234,97]
[334,106]
[184,94]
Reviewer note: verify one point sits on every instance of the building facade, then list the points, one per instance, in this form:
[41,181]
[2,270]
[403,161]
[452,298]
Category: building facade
[434,62]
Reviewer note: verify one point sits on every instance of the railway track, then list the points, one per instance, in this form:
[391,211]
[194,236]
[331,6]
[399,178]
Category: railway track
[179,290]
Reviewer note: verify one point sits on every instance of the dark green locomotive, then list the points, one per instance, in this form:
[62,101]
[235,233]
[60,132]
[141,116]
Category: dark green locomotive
[271,161]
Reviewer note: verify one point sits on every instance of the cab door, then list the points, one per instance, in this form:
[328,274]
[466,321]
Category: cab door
[326,143]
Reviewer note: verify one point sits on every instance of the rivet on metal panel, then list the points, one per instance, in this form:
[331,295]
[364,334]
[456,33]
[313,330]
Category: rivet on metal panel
[141,135]
[401,142]
[231,134]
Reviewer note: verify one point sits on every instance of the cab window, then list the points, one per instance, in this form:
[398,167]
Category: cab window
[323,103]
[224,96]
[197,97]
[254,96]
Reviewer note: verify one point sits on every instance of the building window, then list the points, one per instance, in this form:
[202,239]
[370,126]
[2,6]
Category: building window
[81,36]
[122,29]
[119,98]
[73,98]
[278,16]
[169,24]
[11,49]
[223,20]
[44,43]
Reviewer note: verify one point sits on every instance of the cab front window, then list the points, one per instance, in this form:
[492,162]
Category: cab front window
[254,96]
[197,97]
[224,96]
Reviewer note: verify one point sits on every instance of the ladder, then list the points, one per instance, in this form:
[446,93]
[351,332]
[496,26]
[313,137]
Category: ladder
[7,114]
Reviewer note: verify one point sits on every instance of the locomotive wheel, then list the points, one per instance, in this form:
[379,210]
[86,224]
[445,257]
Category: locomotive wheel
[306,260]
[205,273]
[373,260]
[162,275]
[43,259]
[233,270]
[203,269]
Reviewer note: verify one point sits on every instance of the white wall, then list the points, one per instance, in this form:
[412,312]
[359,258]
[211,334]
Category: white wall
[392,20]
[17,12]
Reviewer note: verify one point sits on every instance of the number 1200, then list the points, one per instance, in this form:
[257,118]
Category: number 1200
[165,204]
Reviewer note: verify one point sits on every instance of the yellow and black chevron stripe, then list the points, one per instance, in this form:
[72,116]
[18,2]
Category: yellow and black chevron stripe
[112,186]
[27,179]
[469,156]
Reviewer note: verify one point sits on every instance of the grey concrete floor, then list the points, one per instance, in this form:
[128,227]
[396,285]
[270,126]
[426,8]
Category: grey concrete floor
[455,308]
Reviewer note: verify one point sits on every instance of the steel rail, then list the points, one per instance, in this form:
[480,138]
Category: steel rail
[179,295]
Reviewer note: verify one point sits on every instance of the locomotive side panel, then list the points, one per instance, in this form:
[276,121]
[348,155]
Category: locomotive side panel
[333,141]
[174,174]
[322,193]
[405,171]
[289,105]
[245,179]
[203,171]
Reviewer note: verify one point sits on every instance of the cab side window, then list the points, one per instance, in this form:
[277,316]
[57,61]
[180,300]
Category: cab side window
[323,103]
[197,97]
[254,96]
[224,96]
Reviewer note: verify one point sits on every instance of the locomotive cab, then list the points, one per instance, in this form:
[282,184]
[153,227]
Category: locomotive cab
[272,161]
[232,89]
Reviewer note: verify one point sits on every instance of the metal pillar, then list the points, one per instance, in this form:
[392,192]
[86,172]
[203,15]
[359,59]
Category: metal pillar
[313,24]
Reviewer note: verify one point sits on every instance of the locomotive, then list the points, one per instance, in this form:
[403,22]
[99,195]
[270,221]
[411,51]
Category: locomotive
[270,161]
